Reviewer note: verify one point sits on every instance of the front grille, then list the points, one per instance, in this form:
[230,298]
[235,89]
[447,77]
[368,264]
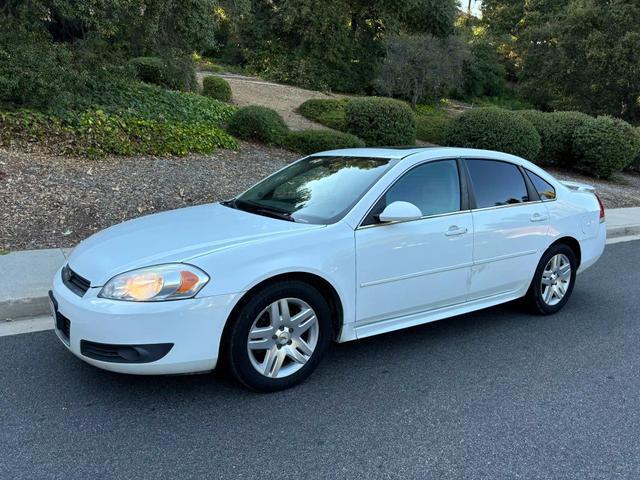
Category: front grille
[75,282]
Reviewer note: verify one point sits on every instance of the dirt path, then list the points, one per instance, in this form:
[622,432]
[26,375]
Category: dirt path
[284,99]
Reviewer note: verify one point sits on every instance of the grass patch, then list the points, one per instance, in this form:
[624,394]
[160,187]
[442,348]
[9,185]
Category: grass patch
[432,124]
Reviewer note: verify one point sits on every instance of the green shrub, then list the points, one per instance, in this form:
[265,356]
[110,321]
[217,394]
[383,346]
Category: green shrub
[175,71]
[604,146]
[34,72]
[559,144]
[546,128]
[328,112]
[150,69]
[495,129]
[433,128]
[381,121]
[217,88]
[257,123]
[312,141]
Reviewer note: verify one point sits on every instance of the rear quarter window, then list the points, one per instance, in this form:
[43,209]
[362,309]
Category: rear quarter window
[544,188]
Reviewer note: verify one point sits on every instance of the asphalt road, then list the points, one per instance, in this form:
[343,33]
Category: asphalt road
[495,394]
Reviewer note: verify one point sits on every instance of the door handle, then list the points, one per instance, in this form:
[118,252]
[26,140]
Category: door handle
[456,230]
[538,217]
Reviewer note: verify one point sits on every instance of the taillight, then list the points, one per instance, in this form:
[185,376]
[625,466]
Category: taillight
[601,208]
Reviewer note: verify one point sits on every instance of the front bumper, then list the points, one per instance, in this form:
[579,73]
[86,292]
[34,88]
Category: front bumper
[193,326]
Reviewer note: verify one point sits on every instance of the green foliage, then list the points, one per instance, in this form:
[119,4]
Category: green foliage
[150,102]
[258,123]
[53,51]
[604,145]
[495,129]
[546,127]
[421,67]
[96,133]
[149,69]
[572,54]
[331,113]
[307,142]
[381,121]
[323,44]
[558,144]
[217,88]
[33,71]
[99,133]
[482,73]
[433,128]
[506,101]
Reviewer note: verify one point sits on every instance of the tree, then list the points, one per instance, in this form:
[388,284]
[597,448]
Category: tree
[329,44]
[421,66]
[572,54]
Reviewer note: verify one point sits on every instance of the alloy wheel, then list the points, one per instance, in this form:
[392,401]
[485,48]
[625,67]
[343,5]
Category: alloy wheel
[556,278]
[283,338]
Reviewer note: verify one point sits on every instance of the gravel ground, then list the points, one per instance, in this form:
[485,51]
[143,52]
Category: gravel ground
[51,201]
[623,190]
[284,99]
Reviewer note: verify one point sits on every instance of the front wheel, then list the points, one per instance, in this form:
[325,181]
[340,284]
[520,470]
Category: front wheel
[553,281]
[279,336]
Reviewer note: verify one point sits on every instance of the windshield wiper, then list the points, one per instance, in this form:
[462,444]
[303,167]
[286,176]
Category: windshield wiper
[274,213]
[261,210]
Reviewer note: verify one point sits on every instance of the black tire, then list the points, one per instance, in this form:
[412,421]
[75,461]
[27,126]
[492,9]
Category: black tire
[236,355]
[534,299]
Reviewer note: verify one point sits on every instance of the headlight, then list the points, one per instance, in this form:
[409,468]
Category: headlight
[153,284]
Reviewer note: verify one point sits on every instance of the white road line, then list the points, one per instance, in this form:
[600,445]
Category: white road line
[26,325]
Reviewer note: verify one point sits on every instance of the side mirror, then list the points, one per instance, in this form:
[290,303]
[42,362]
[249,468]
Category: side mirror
[399,212]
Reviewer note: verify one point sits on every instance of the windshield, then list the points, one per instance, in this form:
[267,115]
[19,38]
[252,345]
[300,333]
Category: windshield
[319,190]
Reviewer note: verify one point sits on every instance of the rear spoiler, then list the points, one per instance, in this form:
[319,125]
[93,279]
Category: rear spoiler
[579,187]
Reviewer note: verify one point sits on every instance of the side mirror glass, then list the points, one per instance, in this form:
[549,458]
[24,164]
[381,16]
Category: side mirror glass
[400,212]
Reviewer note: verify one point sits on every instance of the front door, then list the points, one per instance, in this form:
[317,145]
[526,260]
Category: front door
[410,267]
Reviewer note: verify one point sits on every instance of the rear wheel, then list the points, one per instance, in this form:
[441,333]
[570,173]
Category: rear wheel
[553,281]
[279,336]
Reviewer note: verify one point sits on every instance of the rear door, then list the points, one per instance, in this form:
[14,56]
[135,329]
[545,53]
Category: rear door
[510,226]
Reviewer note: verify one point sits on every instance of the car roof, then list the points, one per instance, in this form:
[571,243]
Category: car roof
[421,153]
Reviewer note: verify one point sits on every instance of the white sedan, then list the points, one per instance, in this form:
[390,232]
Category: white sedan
[338,246]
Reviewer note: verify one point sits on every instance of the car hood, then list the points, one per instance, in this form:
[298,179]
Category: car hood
[173,236]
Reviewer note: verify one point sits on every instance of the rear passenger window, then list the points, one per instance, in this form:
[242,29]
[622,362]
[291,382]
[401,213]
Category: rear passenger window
[544,188]
[496,183]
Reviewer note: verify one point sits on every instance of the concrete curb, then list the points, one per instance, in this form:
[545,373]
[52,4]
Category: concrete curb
[25,277]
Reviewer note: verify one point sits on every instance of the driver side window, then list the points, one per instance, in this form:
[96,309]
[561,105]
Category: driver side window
[433,187]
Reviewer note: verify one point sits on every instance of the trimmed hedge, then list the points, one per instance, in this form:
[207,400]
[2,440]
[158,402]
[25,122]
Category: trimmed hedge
[312,141]
[495,129]
[433,128]
[258,124]
[546,128]
[604,145]
[217,88]
[331,113]
[559,145]
[381,121]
